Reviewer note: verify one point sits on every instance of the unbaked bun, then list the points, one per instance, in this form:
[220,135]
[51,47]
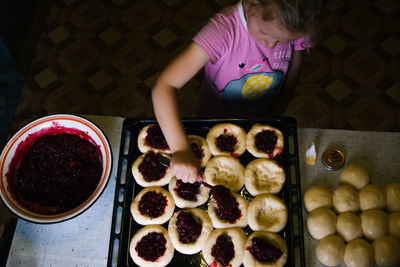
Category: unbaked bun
[148,171]
[242,206]
[259,241]
[348,226]
[330,250]
[264,141]
[345,198]
[189,230]
[394,224]
[231,242]
[321,222]
[359,253]
[387,251]
[200,149]
[374,223]
[393,196]
[267,212]
[355,175]
[264,176]
[152,138]
[187,195]
[142,244]
[317,196]
[153,205]
[372,196]
[226,171]
[226,139]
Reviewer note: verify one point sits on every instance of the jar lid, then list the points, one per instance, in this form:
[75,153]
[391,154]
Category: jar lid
[333,159]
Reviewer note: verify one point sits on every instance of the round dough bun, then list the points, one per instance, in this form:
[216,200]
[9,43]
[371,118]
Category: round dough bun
[321,222]
[161,261]
[267,212]
[394,224]
[393,196]
[359,253]
[348,226]
[374,223]
[190,248]
[372,196]
[182,203]
[345,198]
[249,260]
[201,143]
[387,251]
[227,129]
[251,141]
[330,250]
[317,196]
[238,238]
[355,175]
[143,145]
[219,223]
[146,219]
[226,171]
[263,176]
[140,179]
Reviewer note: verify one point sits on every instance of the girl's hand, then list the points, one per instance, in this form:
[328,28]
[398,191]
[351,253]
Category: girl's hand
[185,166]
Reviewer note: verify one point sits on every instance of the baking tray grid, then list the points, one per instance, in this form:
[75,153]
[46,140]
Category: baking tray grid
[123,226]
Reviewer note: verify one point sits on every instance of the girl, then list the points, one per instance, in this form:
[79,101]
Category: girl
[252,53]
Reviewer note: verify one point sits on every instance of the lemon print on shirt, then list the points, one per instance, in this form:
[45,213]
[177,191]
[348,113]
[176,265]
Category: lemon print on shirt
[256,86]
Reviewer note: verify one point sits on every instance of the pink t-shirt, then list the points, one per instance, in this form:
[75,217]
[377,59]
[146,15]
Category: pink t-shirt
[240,70]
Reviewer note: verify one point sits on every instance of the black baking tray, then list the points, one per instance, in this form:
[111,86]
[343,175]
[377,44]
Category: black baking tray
[124,227]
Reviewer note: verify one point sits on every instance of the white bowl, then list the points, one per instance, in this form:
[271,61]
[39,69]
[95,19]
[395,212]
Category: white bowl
[28,134]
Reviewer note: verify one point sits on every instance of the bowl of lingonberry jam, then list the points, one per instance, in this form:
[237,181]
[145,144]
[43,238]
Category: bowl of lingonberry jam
[54,168]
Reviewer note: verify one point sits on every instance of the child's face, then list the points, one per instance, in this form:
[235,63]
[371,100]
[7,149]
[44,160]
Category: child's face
[268,33]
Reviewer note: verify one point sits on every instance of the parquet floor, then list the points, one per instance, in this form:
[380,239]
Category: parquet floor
[102,57]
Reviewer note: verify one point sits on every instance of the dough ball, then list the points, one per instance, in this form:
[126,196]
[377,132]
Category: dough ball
[387,251]
[250,260]
[264,176]
[267,212]
[394,224]
[317,196]
[321,222]
[374,223]
[330,250]
[372,196]
[345,198]
[393,196]
[348,226]
[355,175]
[359,253]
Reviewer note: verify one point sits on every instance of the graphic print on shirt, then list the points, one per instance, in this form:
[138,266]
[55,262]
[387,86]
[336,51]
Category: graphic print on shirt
[257,83]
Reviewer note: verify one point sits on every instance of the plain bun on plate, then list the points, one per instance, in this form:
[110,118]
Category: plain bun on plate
[392,190]
[348,226]
[345,198]
[374,223]
[359,253]
[372,196]
[387,251]
[317,196]
[321,222]
[330,250]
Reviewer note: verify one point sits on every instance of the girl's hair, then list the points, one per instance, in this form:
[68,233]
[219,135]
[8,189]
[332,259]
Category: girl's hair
[302,16]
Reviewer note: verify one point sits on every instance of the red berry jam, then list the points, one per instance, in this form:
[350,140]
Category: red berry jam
[263,251]
[197,151]
[58,171]
[223,251]
[188,227]
[266,141]
[226,142]
[151,168]
[187,191]
[227,206]
[155,138]
[153,204]
[152,246]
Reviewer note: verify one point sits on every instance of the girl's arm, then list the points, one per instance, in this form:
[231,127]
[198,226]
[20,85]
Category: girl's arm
[292,77]
[184,164]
